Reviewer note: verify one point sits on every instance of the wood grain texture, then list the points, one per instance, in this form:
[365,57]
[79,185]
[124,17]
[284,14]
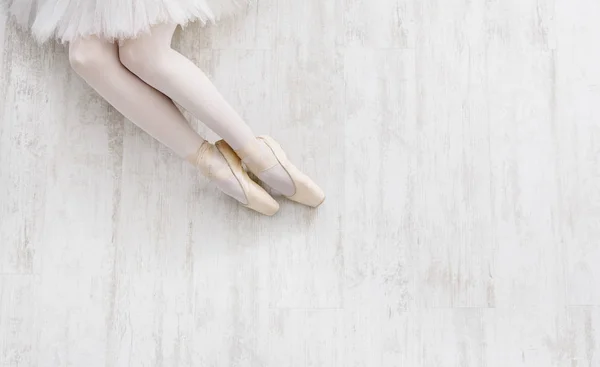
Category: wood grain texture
[457,142]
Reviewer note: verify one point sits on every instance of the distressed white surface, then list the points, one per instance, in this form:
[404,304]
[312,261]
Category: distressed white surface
[458,142]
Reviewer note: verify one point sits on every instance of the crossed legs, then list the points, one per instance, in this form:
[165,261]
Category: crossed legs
[141,79]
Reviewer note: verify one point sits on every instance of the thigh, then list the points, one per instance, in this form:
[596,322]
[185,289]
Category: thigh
[92,51]
[159,37]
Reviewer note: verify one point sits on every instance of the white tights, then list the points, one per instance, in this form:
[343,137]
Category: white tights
[141,78]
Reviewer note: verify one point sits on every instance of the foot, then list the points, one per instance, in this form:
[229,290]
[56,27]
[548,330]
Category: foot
[269,163]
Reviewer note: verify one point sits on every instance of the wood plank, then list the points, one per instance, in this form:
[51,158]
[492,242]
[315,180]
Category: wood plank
[18,339]
[577,133]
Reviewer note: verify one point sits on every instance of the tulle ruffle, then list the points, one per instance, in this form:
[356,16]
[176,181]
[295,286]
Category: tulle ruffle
[66,20]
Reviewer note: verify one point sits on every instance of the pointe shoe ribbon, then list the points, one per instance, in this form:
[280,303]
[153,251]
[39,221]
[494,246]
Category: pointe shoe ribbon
[256,158]
[203,159]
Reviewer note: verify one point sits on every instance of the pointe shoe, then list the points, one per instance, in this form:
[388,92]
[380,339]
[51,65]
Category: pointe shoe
[257,198]
[307,191]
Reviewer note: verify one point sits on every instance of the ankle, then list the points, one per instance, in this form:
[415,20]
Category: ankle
[196,158]
[257,156]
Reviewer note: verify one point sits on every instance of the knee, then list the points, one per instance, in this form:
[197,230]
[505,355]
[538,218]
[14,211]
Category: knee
[87,56]
[140,60]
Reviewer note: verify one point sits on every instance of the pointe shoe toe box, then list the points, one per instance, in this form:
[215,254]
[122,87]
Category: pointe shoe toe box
[307,191]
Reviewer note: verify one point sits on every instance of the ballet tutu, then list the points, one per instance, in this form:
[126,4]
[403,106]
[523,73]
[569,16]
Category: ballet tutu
[66,20]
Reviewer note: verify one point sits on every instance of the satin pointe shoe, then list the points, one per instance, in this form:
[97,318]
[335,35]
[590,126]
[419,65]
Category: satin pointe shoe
[256,198]
[307,192]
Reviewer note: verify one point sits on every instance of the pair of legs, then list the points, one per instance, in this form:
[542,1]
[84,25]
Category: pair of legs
[141,78]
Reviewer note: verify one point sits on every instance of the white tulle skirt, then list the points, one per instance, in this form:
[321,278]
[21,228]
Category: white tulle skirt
[66,20]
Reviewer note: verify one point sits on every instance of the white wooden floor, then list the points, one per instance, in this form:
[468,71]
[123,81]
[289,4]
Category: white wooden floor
[458,142]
